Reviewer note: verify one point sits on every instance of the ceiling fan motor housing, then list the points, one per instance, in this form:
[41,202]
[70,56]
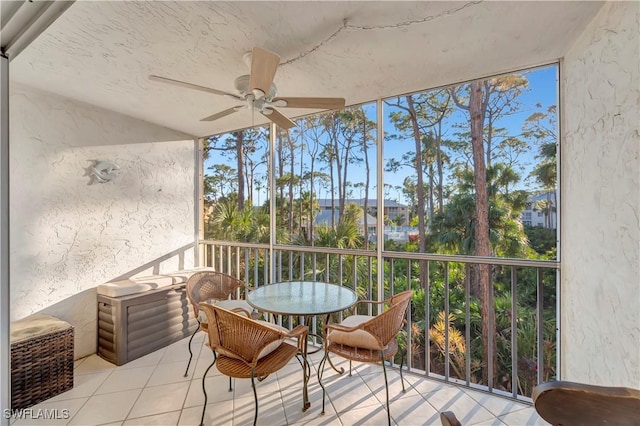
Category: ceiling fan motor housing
[242,85]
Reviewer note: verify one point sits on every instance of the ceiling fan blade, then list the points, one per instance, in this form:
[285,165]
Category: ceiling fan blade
[263,68]
[320,103]
[221,114]
[278,118]
[192,86]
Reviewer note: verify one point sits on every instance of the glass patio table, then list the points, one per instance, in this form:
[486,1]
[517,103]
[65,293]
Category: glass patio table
[302,298]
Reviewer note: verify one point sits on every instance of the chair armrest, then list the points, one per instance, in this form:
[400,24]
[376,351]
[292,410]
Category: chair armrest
[300,333]
[299,330]
[339,327]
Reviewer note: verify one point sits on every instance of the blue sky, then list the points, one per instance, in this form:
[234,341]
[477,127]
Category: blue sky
[542,90]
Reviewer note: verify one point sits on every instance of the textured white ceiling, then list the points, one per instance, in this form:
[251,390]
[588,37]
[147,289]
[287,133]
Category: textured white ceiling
[102,52]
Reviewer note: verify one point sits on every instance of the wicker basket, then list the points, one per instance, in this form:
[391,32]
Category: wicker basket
[41,367]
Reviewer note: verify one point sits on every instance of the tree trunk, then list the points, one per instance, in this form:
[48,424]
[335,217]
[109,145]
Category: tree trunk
[291,181]
[366,185]
[431,203]
[301,192]
[419,190]
[311,198]
[338,159]
[280,173]
[333,194]
[482,247]
[345,168]
[439,167]
[489,139]
[240,165]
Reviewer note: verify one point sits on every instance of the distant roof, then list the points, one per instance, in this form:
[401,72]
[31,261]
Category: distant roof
[542,196]
[371,202]
[324,218]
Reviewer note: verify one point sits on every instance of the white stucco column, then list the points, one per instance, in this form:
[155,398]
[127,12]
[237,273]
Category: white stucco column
[600,181]
[5,345]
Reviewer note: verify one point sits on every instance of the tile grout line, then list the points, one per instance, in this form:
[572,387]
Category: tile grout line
[94,391]
[192,379]
[151,375]
[126,417]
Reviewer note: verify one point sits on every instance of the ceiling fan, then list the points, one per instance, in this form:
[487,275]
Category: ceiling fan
[258,91]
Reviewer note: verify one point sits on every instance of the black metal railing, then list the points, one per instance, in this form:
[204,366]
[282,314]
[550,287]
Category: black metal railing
[443,336]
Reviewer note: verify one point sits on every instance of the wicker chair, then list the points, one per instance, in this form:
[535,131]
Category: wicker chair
[447,418]
[569,403]
[367,339]
[219,288]
[246,348]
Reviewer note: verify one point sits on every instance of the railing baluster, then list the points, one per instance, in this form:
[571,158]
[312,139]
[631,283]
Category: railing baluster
[238,272]
[492,313]
[409,341]
[539,326]
[290,277]
[410,321]
[467,324]
[314,266]
[446,321]
[427,314]
[266,264]
[279,272]
[392,276]
[514,332]
[370,285]
[256,266]
[247,255]
[355,273]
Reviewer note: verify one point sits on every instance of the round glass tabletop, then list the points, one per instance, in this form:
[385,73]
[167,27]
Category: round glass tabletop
[301,298]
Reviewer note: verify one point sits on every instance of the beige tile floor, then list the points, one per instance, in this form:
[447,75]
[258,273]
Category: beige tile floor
[152,391]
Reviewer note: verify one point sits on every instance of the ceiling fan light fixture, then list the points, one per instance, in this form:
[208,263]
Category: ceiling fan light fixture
[258,93]
[247,58]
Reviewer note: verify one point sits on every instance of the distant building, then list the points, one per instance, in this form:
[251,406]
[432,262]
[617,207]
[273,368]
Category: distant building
[392,209]
[324,219]
[536,213]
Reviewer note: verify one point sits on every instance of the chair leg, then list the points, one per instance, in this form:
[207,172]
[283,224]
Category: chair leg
[349,368]
[204,390]
[386,386]
[341,371]
[230,388]
[255,397]
[402,365]
[321,366]
[186,372]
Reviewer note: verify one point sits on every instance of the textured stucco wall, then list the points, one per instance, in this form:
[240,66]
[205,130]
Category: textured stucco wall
[68,236]
[600,204]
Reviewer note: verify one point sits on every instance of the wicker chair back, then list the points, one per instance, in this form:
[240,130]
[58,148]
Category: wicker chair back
[237,336]
[386,325]
[209,285]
